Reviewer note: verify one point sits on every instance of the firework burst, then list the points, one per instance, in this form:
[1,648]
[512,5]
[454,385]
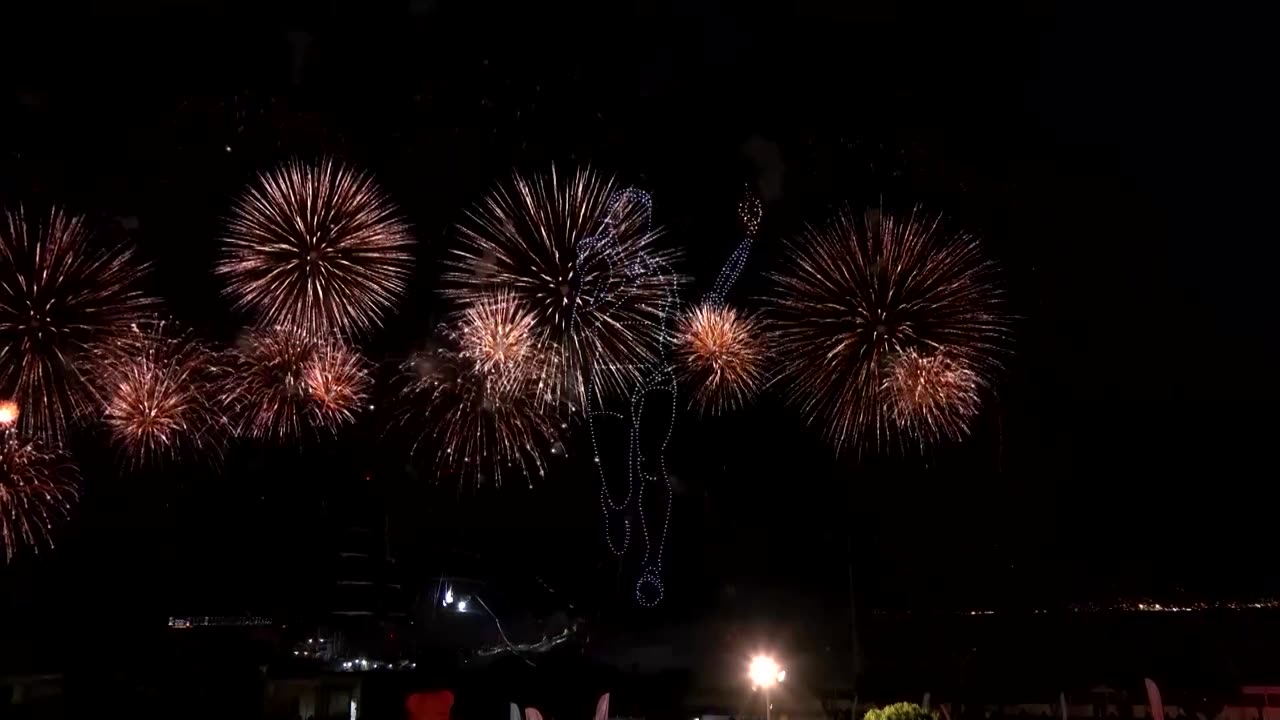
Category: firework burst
[155,388]
[498,333]
[931,396]
[481,417]
[859,294]
[337,382]
[8,413]
[58,297]
[318,246]
[279,379]
[580,256]
[721,355]
[38,486]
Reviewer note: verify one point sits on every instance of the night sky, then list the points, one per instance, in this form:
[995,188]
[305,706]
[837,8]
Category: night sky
[1101,157]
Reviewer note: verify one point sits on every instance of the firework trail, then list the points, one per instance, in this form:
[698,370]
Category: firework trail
[318,246]
[156,392]
[580,255]
[857,295]
[38,486]
[931,396]
[58,297]
[277,380]
[482,414]
[721,354]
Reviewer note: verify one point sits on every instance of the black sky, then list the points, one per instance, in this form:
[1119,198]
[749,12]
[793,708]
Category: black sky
[1105,156]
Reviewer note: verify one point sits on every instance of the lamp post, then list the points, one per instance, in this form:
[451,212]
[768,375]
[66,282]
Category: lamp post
[764,673]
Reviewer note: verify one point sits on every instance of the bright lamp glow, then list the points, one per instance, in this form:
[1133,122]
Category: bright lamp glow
[765,672]
[8,412]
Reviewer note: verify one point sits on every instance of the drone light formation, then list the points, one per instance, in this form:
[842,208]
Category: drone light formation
[857,294]
[721,354]
[579,253]
[317,245]
[59,295]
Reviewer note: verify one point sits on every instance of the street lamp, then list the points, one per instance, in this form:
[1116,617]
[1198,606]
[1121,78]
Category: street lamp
[764,673]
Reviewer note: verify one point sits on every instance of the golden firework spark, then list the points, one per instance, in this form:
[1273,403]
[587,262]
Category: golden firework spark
[155,388]
[931,396]
[59,295]
[580,256]
[721,354]
[318,246]
[38,486]
[859,292]
[279,379]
